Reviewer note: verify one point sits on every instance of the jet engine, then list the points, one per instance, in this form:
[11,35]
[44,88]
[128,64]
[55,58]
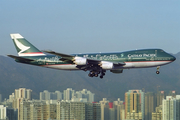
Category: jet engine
[106,65]
[80,61]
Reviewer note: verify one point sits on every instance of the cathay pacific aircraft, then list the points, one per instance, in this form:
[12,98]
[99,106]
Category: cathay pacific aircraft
[96,63]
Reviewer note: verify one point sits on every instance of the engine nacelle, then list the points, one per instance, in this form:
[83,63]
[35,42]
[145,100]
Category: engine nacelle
[107,65]
[80,61]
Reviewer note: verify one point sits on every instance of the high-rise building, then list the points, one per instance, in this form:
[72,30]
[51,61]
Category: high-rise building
[20,95]
[11,97]
[112,110]
[68,94]
[34,110]
[78,111]
[169,108]
[24,110]
[134,103]
[177,107]
[63,110]
[46,95]
[120,108]
[23,93]
[159,97]
[134,116]
[7,113]
[104,109]
[149,105]
[85,94]
[172,93]
[96,111]
[158,114]
[112,115]
[58,95]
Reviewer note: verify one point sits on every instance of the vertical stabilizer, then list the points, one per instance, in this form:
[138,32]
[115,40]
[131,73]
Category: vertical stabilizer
[23,47]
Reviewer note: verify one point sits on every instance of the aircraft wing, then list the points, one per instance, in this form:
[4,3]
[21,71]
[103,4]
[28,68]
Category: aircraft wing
[66,57]
[20,58]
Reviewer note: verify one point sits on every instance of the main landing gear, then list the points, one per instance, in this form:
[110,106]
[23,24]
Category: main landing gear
[157,72]
[102,74]
[95,73]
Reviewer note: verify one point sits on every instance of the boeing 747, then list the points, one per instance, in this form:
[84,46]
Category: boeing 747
[96,63]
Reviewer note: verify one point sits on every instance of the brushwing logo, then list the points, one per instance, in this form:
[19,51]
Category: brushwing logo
[21,46]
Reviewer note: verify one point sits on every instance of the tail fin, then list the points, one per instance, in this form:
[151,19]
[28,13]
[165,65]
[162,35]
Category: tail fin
[23,47]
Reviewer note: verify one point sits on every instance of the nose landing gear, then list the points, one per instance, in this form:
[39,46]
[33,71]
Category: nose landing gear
[157,72]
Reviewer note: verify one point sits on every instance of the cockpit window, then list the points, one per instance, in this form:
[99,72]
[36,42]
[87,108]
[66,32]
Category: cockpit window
[162,50]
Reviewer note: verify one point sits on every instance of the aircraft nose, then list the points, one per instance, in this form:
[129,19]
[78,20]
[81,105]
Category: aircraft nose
[173,58]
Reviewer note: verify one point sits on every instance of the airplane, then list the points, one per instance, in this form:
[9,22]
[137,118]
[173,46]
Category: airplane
[96,63]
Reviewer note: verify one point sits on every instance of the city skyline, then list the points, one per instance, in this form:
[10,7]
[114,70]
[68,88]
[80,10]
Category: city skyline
[137,105]
[58,95]
[27,94]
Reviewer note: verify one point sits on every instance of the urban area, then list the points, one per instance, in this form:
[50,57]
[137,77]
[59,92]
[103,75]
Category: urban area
[80,105]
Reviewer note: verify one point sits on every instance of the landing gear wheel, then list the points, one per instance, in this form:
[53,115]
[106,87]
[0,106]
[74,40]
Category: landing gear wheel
[96,75]
[90,75]
[102,73]
[157,72]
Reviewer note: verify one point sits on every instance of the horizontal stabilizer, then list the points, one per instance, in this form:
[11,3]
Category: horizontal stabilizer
[20,58]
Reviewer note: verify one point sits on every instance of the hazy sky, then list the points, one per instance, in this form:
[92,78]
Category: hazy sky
[89,26]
